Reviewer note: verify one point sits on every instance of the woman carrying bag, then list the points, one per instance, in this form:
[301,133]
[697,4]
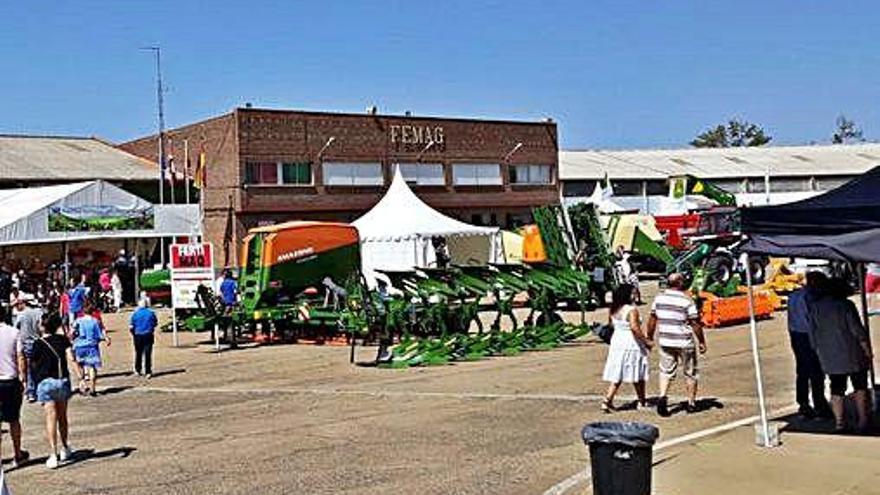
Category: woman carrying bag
[51,353]
[627,359]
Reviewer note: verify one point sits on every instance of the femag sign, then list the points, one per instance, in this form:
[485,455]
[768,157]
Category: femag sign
[192,265]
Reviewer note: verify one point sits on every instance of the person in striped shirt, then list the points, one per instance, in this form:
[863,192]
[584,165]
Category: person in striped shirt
[676,321]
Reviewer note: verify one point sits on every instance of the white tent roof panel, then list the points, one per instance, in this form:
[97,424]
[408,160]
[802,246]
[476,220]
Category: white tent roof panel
[400,214]
[24,217]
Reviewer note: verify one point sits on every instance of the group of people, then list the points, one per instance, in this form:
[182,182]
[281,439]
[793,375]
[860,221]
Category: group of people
[828,338]
[673,327]
[36,344]
[110,282]
[826,333]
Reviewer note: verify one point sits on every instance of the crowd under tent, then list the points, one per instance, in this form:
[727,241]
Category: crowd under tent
[842,224]
[397,233]
[54,223]
[85,211]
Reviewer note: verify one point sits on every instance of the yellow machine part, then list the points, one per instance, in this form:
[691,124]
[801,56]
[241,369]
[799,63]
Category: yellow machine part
[621,229]
[781,279]
[533,247]
[512,245]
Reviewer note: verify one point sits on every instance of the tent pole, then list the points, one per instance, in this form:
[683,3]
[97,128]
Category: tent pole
[753,332]
[866,319]
[66,265]
[137,272]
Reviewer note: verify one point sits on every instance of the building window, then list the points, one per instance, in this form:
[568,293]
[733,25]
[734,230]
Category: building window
[299,174]
[476,174]
[423,174]
[755,185]
[530,174]
[730,185]
[353,174]
[657,187]
[627,187]
[261,173]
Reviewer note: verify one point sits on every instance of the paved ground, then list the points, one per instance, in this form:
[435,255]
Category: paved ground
[804,464]
[300,419]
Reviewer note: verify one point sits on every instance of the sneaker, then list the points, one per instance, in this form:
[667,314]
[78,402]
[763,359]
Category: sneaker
[149,376]
[31,399]
[690,408]
[136,373]
[65,454]
[52,462]
[19,461]
[663,407]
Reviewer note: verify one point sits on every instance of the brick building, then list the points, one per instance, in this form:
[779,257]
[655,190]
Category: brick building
[266,166]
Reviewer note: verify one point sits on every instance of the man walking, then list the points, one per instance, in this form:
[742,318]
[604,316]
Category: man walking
[77,294]
[675,318]
[229,297]
[143,325]
[12,380]
[808,370]
[228,289]
[28,325]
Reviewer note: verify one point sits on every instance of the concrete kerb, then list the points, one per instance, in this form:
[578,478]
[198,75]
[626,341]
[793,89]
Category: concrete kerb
[584,476]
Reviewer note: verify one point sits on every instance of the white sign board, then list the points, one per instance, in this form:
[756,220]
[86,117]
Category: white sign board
[192,265]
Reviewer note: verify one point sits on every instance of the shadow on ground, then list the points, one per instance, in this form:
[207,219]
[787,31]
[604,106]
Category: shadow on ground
[703,405]
[156,374]
[83,455]
[796,423]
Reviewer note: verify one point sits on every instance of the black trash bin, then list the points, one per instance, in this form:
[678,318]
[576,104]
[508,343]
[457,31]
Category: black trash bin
[620,456]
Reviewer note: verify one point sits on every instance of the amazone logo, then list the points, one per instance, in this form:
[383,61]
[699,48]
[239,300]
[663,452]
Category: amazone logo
[295,254]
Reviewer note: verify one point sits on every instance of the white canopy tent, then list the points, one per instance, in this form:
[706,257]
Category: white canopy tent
[24,213]
[396,233]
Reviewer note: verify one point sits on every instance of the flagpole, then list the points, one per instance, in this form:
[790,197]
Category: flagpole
[172,169]
[186,167]
[200,174]
[161,138]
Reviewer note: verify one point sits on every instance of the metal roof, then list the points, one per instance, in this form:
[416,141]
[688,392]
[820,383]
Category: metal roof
[720,163]
[48,158]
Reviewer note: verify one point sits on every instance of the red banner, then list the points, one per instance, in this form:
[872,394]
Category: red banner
[188,256]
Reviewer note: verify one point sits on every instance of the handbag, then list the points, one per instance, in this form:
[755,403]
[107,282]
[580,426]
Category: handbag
[604,332]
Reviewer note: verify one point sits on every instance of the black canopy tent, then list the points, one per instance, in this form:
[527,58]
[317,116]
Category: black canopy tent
[842,224]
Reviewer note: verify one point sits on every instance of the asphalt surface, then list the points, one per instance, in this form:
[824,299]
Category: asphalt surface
[301,419]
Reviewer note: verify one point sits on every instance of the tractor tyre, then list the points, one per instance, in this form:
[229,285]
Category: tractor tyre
[758,269]
[720,268]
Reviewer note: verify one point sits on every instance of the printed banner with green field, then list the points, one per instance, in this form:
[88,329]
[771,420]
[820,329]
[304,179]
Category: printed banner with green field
[99,218]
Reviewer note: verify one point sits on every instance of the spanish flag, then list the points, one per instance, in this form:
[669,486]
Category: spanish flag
[199,177]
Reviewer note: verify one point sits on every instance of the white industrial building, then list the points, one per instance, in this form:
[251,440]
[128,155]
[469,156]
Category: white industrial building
[639,177]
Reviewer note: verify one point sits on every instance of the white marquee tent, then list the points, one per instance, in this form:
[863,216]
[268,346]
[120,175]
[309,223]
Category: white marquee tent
[396,233]
[24,213]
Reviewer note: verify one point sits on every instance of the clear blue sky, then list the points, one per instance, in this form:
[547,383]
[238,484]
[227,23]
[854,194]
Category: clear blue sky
[613,74]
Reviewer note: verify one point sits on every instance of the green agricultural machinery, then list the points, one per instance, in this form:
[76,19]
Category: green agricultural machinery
[439,310]
[298,281]
[301,281]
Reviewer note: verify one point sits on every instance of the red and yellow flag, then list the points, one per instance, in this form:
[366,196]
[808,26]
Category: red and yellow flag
[199,176]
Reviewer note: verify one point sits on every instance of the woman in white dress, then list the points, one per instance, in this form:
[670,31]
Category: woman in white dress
[628,353]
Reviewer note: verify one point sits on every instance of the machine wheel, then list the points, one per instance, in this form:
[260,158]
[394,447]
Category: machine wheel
[758,268]
[720,268]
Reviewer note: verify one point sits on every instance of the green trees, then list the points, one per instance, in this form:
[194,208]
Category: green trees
[846,131]
[733,133]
